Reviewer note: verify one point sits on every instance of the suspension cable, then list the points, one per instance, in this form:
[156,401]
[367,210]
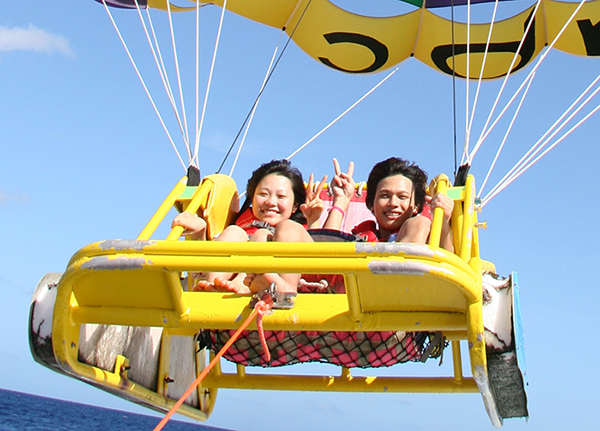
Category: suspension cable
[345,112]
[485,54]
[484,132]
[267,81]
[254,106]
[501,147]
[528,160]
[530,76]
[467,101]
[454,89]
[178,73]
[143,83]
[162,71]
[212,67]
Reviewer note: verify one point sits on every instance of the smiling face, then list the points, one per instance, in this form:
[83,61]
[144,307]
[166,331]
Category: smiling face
[394,203]
[273,199]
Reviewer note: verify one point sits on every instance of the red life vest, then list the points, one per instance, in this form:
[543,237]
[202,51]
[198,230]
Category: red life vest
[250,223]
[367,231]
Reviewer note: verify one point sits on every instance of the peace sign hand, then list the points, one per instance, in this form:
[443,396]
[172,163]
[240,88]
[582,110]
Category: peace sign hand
[314,206]
[342,185]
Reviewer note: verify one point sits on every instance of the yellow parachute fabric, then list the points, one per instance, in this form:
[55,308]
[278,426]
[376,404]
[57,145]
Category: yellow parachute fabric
[360,44]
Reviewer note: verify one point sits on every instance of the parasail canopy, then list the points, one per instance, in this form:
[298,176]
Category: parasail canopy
[360,44]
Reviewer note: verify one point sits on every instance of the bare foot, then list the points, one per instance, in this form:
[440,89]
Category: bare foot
[220,285]
[258,282]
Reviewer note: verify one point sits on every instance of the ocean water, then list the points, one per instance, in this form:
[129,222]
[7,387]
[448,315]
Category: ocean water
[19,411]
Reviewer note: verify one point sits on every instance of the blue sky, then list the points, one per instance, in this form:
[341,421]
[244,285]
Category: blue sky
[84,158]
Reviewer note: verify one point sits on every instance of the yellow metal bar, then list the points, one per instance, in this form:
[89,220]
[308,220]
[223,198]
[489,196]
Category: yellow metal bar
[438,213]
[163,364]
[344,383]
[176,292]
[297,319]
[456,223]
[466,240]
[355,312]
[162,211]
[197,198]
[457,361]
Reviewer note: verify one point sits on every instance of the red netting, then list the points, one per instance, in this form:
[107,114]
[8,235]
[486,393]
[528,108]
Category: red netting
[347,349]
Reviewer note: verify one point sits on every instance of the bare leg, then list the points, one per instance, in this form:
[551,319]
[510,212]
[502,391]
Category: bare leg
[226,282]
[286,231]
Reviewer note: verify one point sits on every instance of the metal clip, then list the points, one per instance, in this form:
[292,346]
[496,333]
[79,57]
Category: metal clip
[281,300]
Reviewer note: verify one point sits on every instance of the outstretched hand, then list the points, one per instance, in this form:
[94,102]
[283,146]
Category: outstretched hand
[193,226]
[342,185]
[314,206]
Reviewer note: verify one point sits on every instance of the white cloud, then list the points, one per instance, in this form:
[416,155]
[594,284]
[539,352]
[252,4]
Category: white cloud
[7,198]
[33,39]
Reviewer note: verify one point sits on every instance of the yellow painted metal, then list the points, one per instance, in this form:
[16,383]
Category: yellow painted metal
[389,286]
[468,221]
[457,361]
[441,185]
[215,200]
[344,383]
[163,364]
[162,211]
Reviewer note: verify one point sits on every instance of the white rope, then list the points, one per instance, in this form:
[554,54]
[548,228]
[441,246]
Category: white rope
[487,46]
[264,83]
[484,132]
[266,79]
[529,77]
[528,160]
[212,67]
[162,71]
[142,81]
[197,104]
[344,113]
[176,60]
[467,128]
[508,130]
[517,175]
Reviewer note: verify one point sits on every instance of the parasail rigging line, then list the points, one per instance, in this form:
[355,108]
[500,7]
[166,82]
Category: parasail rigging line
[255,105]
[197,101]
[485,132]
[253,110]
[160,65]
[501,146]
[528,159]
[479,82]
[194,160]
[143,83]
[269,75]
[467,100]
[454,90]
[176,61]
[468,158]
[389,75]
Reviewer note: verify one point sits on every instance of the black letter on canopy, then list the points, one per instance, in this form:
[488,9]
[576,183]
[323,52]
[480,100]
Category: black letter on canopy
[591,36]
[378,49]
[441,54]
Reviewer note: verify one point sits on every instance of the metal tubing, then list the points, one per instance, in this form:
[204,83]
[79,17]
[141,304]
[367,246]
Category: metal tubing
[162,211]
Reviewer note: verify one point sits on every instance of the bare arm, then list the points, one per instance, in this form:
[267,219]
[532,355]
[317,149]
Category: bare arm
[342,187]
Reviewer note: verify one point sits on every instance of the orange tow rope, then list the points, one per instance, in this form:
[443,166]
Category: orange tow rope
[261,308]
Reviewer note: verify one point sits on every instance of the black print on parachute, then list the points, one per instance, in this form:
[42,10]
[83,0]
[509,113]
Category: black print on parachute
[441,54]
[590,33]
[379,50]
